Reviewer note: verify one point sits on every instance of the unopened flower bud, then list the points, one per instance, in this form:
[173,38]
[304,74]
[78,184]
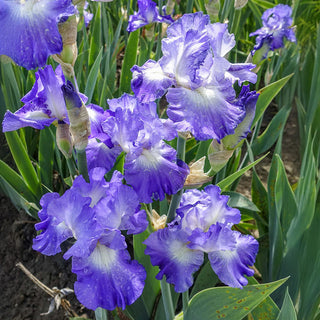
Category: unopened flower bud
[78,116]
[157,222]
[197,177]
[69,53]
[239,4]
[64,140]
[213,7]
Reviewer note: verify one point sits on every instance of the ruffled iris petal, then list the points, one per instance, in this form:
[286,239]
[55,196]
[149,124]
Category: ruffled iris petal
[188,22]
[123,128]
[61,219]
[121,208]
[155,172]
[29,31]
[217,238]
[241,72]
[108,278]
[221,40]
[201,209]
[231,265]
[51,93]
[52,236]
[27,116]
[54,232]
[97,115]
[183,56]
[149,82]
[168,250]
[100,155]
[96,189]
[207,113]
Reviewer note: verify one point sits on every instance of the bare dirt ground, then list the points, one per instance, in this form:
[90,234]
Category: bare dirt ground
[20,298]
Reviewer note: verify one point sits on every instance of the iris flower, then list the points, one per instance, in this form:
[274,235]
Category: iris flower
[276,27]
[151,166]
[196,77]
[202,225]
[147,13]
[94,214]
[44,104]
[29,30]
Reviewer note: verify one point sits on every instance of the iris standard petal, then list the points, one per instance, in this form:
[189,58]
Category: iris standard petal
[231,265]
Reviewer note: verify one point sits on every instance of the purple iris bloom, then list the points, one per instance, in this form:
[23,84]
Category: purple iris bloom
[151,165]
[147,13]
[196,78]
[276,23]
[94,214]
[29,30]
[43,104]
[202,225]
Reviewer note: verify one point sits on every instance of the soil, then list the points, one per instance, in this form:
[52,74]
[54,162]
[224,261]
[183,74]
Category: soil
[21,299]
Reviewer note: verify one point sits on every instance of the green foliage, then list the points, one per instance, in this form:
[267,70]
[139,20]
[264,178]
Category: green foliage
[266,310]
[129,60]
[229,303]
[287,311]
[152,286]
[267,94]
[225,183]
[24,165]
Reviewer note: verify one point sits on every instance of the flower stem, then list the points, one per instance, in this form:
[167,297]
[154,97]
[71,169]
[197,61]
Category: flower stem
[71,167]
[82,164]
[167,299]
[181,147]
[101,314]
[175,200]
[185,301]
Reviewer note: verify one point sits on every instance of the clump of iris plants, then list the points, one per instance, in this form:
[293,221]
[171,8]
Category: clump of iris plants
[129,158]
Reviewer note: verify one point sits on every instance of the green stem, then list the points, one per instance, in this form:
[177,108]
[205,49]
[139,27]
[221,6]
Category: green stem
[71,167]
[82,164]
[185,301]
[101,314]
[175,200]
[181,147]
[167,299]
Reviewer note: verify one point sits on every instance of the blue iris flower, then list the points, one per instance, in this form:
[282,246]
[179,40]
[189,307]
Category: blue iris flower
[29,30]
[276,27]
